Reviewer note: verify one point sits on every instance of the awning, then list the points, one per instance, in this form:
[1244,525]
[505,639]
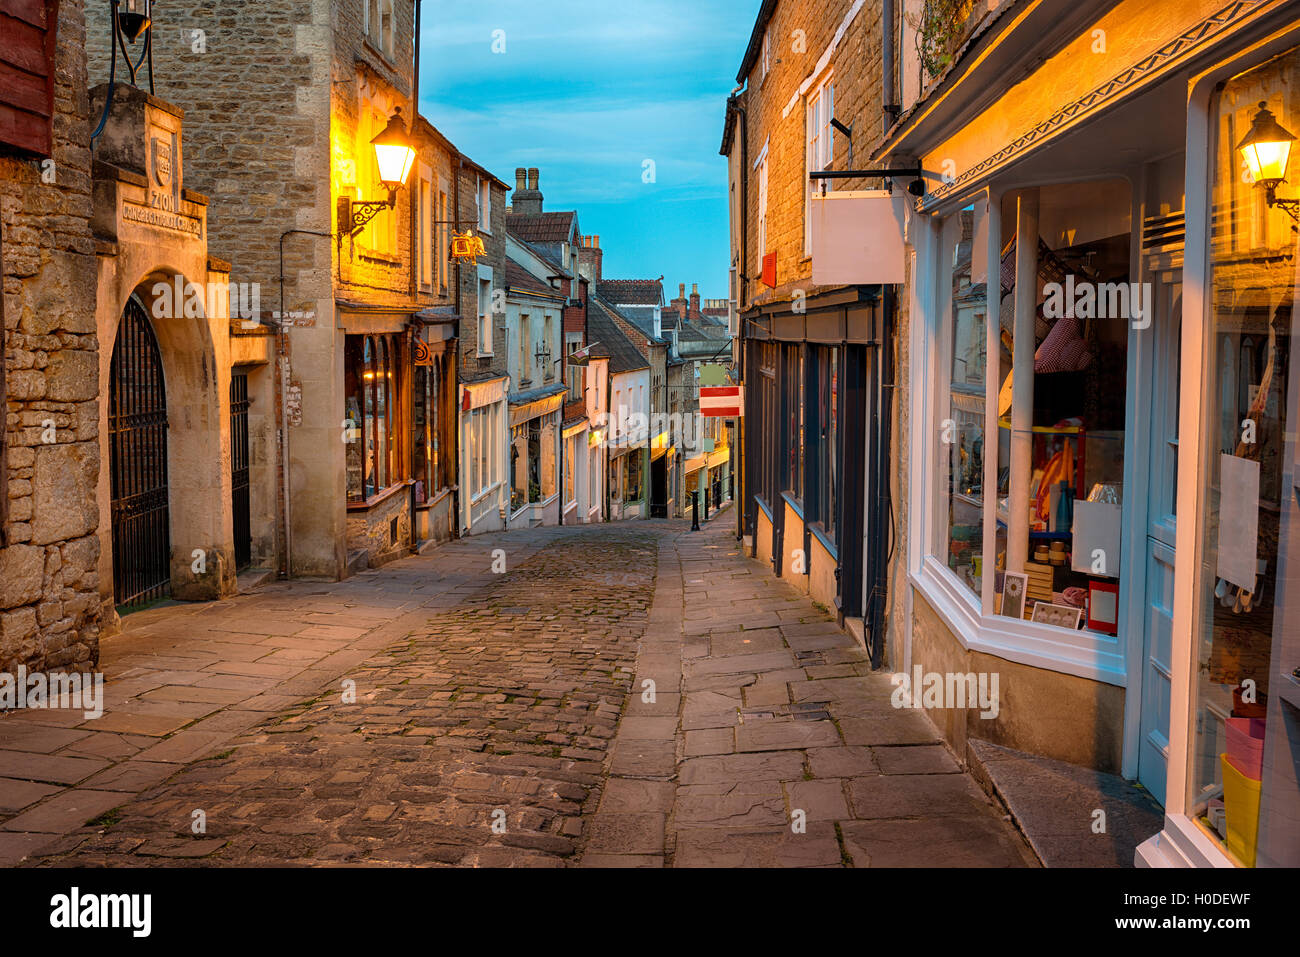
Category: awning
[477,394]
[526,405]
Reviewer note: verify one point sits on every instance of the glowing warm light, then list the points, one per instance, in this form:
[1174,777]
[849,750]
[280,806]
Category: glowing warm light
[393,152]
[1267,148]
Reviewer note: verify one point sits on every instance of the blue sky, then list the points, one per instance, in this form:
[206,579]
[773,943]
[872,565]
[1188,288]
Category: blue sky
[587,91]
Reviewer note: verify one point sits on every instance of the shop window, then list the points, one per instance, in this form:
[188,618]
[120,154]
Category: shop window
[425,426]
[371,388]
[1240,599]
[571,470]
[1058,384]
[793,432]
[962,431]
[519,471]
[479,439]
[823,470]
[548,445]
[632,477]
[1061,440]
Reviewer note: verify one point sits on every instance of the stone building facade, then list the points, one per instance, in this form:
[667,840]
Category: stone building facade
[351,399]
[813,356]
[49,457]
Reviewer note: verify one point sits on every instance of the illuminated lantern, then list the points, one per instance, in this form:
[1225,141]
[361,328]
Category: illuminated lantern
[394,153]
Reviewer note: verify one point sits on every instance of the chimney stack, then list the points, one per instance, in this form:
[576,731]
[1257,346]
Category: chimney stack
[527,199]
[695,300]
[678,305]
[589,258]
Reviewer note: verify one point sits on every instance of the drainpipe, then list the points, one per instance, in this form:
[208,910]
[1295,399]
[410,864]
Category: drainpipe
[455,495]
[413,227]
[888,96]
[879,519]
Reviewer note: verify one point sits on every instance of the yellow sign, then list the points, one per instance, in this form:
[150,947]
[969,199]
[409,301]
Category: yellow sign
[466,246]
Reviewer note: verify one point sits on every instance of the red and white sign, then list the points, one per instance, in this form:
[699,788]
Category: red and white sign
[722,401]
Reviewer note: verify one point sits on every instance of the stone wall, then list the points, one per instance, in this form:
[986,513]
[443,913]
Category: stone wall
[48,609]
[800,33]
[254,84]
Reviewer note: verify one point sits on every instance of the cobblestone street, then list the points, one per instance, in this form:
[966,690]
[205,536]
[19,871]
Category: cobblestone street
[631,694]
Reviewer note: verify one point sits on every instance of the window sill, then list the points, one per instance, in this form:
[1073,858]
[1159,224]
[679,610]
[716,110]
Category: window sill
[1084,654]
[475,499]
[429,503]
[827,542]
[379,497]
[385,58]
[795,505]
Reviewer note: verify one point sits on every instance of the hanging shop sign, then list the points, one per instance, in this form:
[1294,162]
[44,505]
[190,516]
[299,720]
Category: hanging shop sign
[466,247]
[724,401]
[857,237]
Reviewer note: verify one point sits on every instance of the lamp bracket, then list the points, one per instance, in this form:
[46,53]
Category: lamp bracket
[1290,206]
[353,215]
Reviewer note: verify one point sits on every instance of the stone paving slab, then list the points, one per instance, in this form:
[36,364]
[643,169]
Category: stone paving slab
[499,721]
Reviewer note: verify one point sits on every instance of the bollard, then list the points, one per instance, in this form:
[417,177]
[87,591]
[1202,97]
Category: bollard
[695,511]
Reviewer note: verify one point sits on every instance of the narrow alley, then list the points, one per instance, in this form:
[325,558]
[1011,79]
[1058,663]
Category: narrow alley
[630,694]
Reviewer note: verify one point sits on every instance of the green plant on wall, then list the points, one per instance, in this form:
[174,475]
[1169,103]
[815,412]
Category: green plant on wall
[940,27]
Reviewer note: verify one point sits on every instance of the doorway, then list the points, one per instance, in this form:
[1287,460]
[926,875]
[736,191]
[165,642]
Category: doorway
[1164,270]
[659,487]
[240,502]
[137,441]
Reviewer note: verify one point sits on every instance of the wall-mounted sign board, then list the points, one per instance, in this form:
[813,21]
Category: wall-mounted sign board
[857,237]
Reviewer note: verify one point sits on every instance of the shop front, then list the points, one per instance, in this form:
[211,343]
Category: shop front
[807,404]
[1103,504]
[484,489]
[534,456]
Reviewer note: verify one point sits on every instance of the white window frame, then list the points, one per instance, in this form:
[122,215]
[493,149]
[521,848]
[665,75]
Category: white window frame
[426,244]
[766,67]
[483,203]
[760,165]
[819,146]
[1082,653]
[525,341]
[485,314]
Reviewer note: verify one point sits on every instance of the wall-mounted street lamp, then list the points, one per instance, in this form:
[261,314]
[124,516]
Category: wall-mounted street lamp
[394,155]
[134,18]
[1267,149]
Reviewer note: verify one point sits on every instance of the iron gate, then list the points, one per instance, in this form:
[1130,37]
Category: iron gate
[239,500]
[137,442]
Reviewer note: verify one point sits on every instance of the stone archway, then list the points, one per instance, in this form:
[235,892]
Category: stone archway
[195,407]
